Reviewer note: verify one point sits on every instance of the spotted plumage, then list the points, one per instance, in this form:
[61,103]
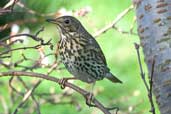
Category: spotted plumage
[80,53]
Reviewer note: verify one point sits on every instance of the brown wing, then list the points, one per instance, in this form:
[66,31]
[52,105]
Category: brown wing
[92,43]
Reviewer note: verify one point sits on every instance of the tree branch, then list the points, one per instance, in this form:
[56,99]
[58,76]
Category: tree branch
[56,80]
[149,89]
[112,25]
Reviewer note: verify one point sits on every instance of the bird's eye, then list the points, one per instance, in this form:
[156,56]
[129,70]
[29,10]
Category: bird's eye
[67,21]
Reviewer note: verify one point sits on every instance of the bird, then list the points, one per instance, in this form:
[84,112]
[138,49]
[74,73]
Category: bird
[80,52]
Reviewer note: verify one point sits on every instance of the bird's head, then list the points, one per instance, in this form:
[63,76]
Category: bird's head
[66,23]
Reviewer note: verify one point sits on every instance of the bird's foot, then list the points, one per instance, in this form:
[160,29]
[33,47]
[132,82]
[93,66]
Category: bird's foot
[62,81]
[89,98]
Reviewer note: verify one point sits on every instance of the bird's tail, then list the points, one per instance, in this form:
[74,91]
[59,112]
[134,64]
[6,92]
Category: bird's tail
[113,78]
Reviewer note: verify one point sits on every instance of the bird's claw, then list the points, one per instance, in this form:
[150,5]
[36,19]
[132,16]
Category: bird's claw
[89,98]
[62,82]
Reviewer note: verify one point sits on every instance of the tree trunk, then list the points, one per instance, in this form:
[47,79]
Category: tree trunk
[154,29]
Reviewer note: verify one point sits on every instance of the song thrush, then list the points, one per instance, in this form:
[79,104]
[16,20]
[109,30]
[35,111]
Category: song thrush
[80,52]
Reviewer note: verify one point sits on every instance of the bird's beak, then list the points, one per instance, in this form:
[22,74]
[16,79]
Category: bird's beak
[51,21]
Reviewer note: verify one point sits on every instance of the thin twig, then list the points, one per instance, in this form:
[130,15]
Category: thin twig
[124,32]
[34,37]
[26,97]
[133,24]
[25,48]
[13,88]
[12,6]
[150,96]
[19,22]
[141,69]
[118,18]
[149,89]
[4,105]
[31,11]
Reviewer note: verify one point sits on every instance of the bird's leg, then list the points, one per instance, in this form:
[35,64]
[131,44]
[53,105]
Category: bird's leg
[89,96]
[63,80]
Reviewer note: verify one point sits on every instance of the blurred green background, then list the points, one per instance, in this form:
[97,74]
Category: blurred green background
[130,97]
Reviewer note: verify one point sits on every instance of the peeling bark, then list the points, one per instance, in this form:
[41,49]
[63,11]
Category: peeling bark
[154,29]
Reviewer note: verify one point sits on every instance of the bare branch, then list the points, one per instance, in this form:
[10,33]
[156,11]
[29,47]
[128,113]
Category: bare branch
[150,96]
[56,80]
[149,89]
[26,97]
[24,48]
[112,25]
